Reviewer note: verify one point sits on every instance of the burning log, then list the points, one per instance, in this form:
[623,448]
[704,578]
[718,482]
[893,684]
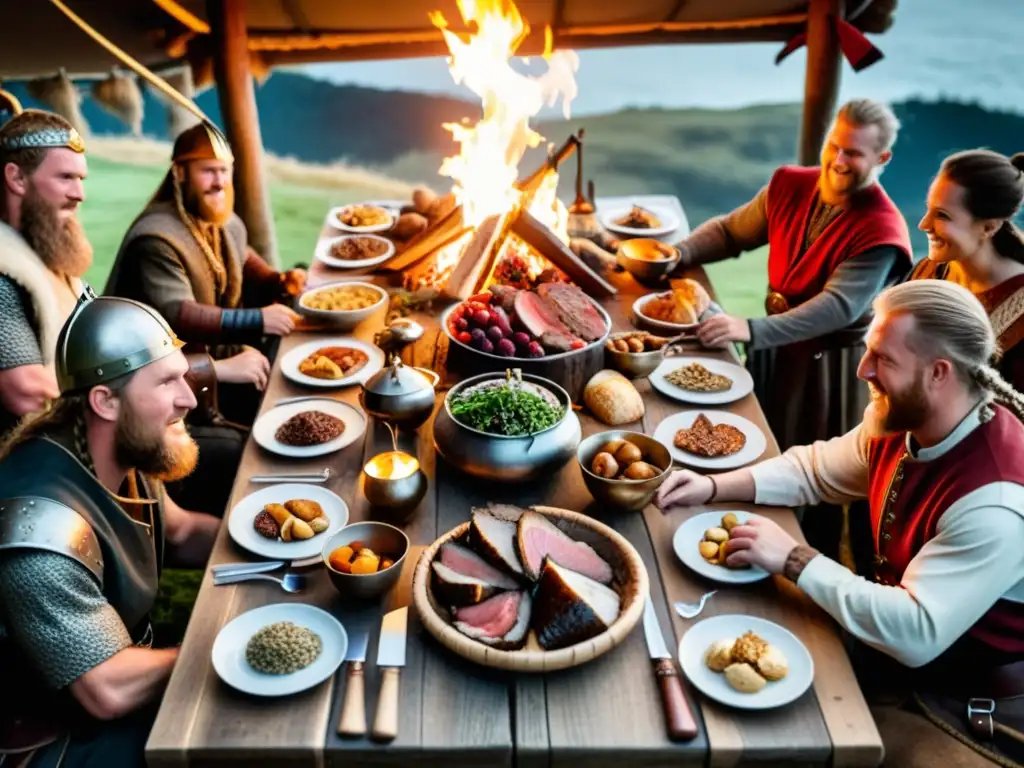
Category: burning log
[544,241]
[531,183]
[478,259]
[426,243]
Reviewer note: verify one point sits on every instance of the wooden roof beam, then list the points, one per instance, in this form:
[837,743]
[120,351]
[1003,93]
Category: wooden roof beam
[821,83]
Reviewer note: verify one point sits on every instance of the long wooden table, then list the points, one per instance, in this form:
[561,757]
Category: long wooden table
[454,713]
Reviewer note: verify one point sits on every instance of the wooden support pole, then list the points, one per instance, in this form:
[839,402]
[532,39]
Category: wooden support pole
[821,88]
[241,122]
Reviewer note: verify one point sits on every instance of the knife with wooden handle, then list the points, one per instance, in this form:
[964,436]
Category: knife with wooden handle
[353,709]
[390,660]
[679,719]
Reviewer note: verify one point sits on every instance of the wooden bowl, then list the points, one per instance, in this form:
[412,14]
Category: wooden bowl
[631,582]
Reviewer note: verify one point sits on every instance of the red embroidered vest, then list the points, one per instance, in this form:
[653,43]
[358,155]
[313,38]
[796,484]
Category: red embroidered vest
[991,453]
[870,221]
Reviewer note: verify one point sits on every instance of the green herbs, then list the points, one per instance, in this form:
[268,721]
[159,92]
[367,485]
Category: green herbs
[505,410]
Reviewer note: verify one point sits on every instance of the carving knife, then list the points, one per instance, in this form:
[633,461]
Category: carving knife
[678,716]
[390,660]
[353,709]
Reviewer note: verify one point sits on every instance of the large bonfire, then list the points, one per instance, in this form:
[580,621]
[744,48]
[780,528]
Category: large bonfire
[486,168]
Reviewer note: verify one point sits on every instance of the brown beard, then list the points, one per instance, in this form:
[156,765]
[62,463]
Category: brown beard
[907,410]
[62,245]
[198,205]
[145,449]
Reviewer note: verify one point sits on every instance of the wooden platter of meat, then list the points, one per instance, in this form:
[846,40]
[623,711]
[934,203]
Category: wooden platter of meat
[530,590]
[555,331]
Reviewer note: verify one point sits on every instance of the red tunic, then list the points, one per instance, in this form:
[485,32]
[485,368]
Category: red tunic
[871,220]
[991,453]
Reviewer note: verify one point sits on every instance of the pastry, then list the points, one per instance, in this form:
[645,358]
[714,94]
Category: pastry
[613,399]
[304,509]
[772,663]
[748,648]
[744,678]
[719,655]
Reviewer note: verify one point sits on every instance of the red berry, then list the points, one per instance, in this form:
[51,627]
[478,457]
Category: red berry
[534,349]
[482,317]
[463,336]
[577,344]
[462,324]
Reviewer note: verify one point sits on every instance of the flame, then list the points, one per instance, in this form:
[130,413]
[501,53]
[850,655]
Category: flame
[487,166]
[393,465]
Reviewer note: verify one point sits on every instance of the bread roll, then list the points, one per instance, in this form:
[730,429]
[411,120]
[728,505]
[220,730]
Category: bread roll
[613,399]
[744,678]
[772,663]
[694,293]
[719,654]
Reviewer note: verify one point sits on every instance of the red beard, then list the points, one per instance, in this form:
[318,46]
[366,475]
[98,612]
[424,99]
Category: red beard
[62,245]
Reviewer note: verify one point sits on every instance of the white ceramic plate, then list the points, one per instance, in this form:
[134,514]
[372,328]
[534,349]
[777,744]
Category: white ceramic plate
[742,381]
[640,320]
[669,221]
[689,535]
[228,654]
[324,245]
[242,514]
[712,684]
[290,362]
[752,449]
[268,422]
[335,223]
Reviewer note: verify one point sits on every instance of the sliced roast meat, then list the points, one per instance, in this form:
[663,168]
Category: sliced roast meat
[538,538]
[504,297]
[570,607]
[539,316]
[495,539]
[465,561]
[560,342]
[575,309]
[501,622]
[454,589]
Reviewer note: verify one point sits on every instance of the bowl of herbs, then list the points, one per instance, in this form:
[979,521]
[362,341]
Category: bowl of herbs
[507,427]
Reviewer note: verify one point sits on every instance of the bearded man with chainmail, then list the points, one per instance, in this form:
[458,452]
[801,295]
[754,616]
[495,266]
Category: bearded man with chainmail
[84,529]
[187,256]
[43,253]
[835,240]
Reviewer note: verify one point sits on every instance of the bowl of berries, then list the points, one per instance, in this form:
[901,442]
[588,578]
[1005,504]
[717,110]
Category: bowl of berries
[555,331]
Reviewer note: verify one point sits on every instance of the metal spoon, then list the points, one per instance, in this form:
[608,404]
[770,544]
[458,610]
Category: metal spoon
[290,582]
[689,610]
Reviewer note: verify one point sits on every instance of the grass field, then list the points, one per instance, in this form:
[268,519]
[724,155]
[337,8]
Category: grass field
[117,191]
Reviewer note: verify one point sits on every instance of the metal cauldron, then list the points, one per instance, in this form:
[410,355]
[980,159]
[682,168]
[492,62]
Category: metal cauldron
[507,459]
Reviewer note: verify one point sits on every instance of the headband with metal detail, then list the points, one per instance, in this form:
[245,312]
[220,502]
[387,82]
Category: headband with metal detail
[45,138]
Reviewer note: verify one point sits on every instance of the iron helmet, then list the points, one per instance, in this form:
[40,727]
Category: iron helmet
[106,337]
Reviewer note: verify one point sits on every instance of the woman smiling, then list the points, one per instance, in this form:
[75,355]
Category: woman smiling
[973,241]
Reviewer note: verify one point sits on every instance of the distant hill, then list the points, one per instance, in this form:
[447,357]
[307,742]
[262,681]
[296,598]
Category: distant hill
[713,160]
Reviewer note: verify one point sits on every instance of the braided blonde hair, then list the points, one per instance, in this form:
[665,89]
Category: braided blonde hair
[950,323]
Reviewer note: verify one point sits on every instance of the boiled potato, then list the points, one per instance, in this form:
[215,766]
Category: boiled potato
[641,470]
[319,524]
[708,550]
[605,465]
[635,344]
[612,446]
[719,654]
[627,453]
[716,534]
[730,521]
[301,529]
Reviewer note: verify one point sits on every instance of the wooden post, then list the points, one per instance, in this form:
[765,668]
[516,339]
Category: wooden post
[237,99]
[821,87]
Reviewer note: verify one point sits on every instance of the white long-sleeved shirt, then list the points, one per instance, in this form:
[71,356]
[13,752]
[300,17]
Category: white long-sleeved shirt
[975,559]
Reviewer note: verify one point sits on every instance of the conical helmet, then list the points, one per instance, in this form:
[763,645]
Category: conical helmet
[107,337]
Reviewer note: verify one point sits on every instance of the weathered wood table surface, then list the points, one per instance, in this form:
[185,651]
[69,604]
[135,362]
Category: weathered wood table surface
[453,713]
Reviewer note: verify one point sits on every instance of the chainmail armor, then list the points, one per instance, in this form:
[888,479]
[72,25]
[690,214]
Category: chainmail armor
[56,614]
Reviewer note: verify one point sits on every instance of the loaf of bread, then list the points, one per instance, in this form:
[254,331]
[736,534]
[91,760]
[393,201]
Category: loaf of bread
[613,399]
